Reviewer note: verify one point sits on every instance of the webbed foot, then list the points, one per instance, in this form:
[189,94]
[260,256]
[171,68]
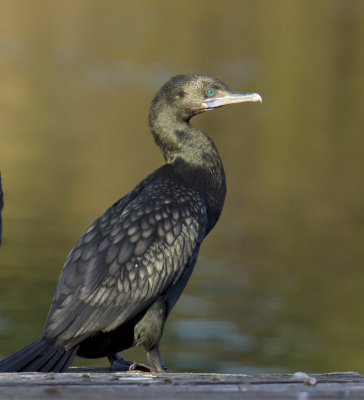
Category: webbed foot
[117,363]
[139,366]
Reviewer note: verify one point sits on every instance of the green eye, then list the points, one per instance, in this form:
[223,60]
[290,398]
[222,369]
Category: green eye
[210,92]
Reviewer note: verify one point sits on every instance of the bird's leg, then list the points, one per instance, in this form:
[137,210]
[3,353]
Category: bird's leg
[155,360]
[117,363]
[147,333]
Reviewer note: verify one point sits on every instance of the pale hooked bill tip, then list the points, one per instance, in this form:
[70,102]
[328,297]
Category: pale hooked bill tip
[231,98]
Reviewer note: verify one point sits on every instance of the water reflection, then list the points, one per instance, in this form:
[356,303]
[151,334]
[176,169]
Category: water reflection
[281,277]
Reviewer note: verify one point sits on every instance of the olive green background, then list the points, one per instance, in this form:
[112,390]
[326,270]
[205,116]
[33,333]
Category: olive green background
[279,285]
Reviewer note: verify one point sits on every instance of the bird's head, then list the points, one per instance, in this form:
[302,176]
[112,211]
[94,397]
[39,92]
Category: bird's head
[188,95]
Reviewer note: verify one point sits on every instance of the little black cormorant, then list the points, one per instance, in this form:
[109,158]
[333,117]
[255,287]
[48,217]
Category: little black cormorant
[123,277]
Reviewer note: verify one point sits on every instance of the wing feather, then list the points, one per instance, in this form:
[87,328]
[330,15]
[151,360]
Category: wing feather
[128,257]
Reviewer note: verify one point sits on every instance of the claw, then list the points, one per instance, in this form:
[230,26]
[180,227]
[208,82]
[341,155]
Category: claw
[117,363]
[139,366]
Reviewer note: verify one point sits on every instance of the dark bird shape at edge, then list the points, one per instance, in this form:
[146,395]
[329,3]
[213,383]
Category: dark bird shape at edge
[125,274]
[1,208]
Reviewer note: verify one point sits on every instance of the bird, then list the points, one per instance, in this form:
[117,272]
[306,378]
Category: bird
[121,280]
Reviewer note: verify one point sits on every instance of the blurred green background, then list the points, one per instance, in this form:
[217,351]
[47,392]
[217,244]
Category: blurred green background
[279,285]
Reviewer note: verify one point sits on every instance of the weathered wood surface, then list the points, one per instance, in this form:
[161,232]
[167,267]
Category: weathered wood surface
[88,384]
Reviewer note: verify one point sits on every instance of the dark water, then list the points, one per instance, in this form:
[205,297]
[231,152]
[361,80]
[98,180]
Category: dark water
[279,285]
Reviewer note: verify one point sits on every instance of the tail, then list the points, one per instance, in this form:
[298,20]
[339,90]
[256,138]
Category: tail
[39,356]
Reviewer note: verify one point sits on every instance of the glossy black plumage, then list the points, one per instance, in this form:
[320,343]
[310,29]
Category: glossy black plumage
[146,241]
[127,271]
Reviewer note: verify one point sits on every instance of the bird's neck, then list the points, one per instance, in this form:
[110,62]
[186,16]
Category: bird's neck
[194,158]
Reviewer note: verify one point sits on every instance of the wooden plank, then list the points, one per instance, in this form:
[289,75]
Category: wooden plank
[99,383]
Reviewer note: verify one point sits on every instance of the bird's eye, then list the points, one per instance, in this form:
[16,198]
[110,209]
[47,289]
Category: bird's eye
[210,92]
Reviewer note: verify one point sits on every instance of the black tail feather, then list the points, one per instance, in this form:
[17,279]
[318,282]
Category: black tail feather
[39,356]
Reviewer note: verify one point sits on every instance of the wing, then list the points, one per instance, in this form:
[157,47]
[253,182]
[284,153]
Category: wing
[137,250]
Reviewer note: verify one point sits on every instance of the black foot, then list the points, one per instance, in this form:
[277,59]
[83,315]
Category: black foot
[155,359]
[139,366]
[117,363]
